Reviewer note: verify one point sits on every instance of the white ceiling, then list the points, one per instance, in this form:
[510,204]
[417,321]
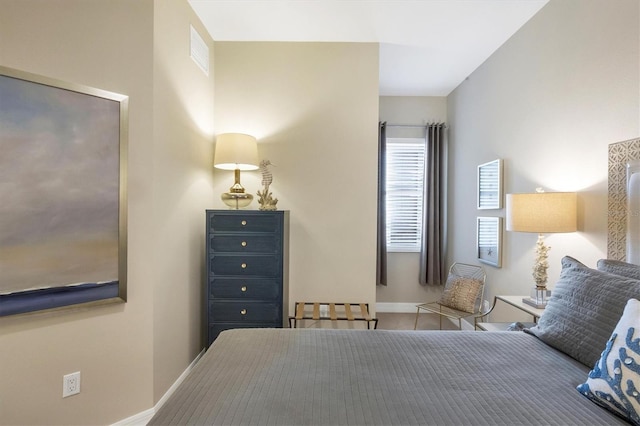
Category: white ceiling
[427,47]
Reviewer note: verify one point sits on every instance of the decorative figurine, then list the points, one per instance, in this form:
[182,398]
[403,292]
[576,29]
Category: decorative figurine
[266,201]
[541,265]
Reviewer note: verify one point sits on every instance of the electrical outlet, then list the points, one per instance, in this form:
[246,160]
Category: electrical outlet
[71,384]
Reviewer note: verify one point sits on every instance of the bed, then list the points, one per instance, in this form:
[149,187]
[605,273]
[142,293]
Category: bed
[357,377]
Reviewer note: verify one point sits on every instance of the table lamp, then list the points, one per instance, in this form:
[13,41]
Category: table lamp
[236,151]
[542,213]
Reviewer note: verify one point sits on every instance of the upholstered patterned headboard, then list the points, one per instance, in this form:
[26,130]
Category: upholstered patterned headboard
[621,154]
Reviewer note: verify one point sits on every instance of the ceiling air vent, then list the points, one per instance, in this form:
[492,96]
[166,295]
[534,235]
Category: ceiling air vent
[199,51]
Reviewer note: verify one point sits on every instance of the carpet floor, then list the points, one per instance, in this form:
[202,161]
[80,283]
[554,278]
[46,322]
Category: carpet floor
[406,321]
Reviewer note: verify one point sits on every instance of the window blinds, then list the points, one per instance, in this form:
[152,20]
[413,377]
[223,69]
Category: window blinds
[404,188]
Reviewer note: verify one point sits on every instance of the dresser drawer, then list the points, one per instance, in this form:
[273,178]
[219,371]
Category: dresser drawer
[256,265]
[250,288]
[244,312]
[242,222]
[243,243]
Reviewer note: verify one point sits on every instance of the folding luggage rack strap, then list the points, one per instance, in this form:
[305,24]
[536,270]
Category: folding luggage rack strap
[352,312]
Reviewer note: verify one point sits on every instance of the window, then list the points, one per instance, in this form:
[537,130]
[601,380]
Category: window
[404,186]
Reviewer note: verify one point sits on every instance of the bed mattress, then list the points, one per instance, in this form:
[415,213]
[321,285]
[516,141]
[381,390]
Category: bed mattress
[378,377]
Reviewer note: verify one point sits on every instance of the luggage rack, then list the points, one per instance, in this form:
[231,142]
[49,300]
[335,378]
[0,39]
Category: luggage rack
[347,312]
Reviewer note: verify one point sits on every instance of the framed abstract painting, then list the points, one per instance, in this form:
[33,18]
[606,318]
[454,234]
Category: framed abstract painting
[63,222]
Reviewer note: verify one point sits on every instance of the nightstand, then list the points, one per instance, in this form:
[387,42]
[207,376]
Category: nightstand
[515,301]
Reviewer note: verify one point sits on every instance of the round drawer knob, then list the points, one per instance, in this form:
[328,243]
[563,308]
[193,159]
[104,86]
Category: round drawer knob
[243,244]
[243,288]
[243,312]
[243,223]
[243,266]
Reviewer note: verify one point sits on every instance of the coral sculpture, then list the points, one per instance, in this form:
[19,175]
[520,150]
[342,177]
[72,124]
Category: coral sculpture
[265,199]
[542,263]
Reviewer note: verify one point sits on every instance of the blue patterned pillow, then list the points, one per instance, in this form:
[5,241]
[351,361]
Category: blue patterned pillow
[614,382]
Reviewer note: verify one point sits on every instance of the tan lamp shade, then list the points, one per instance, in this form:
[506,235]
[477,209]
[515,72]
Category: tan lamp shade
[542,213]
[236,151]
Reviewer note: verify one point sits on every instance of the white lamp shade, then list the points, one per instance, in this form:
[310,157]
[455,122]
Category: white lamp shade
[542,213]
[236,151]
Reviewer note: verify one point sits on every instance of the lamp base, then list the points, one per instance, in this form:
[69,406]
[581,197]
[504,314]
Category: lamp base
[532,302]
[539,298]
[236,200]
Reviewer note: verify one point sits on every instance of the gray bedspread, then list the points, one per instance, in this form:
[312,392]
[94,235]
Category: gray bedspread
[371,377]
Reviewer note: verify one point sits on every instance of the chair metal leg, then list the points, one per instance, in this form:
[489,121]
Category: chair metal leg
[415,326]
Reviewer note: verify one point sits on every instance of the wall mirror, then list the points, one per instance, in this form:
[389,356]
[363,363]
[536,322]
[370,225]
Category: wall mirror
[63,235]
[633,212]
[624,201]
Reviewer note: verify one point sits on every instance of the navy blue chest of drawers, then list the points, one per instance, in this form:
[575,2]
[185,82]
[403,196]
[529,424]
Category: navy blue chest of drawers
[247,270]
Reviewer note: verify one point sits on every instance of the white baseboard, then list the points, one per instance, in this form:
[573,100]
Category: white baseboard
[397,307]
[139,419]
[143,418]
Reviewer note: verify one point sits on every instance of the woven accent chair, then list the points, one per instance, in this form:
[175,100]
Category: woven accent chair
[462,297]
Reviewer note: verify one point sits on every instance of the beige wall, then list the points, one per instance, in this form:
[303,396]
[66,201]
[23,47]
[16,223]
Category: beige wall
[548,102]
[128,353]
[314,109]
[182,176]
[403,268]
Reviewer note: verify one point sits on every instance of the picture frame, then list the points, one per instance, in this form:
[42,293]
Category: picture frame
[489,240]
[63,220]
[489,185]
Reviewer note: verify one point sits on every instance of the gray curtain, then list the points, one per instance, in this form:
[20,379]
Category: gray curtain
[434,227]
[381,264]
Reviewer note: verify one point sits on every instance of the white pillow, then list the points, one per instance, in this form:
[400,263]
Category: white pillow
[614,382]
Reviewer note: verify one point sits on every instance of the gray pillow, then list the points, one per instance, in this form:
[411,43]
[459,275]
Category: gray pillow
[583,311]
[619,267]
